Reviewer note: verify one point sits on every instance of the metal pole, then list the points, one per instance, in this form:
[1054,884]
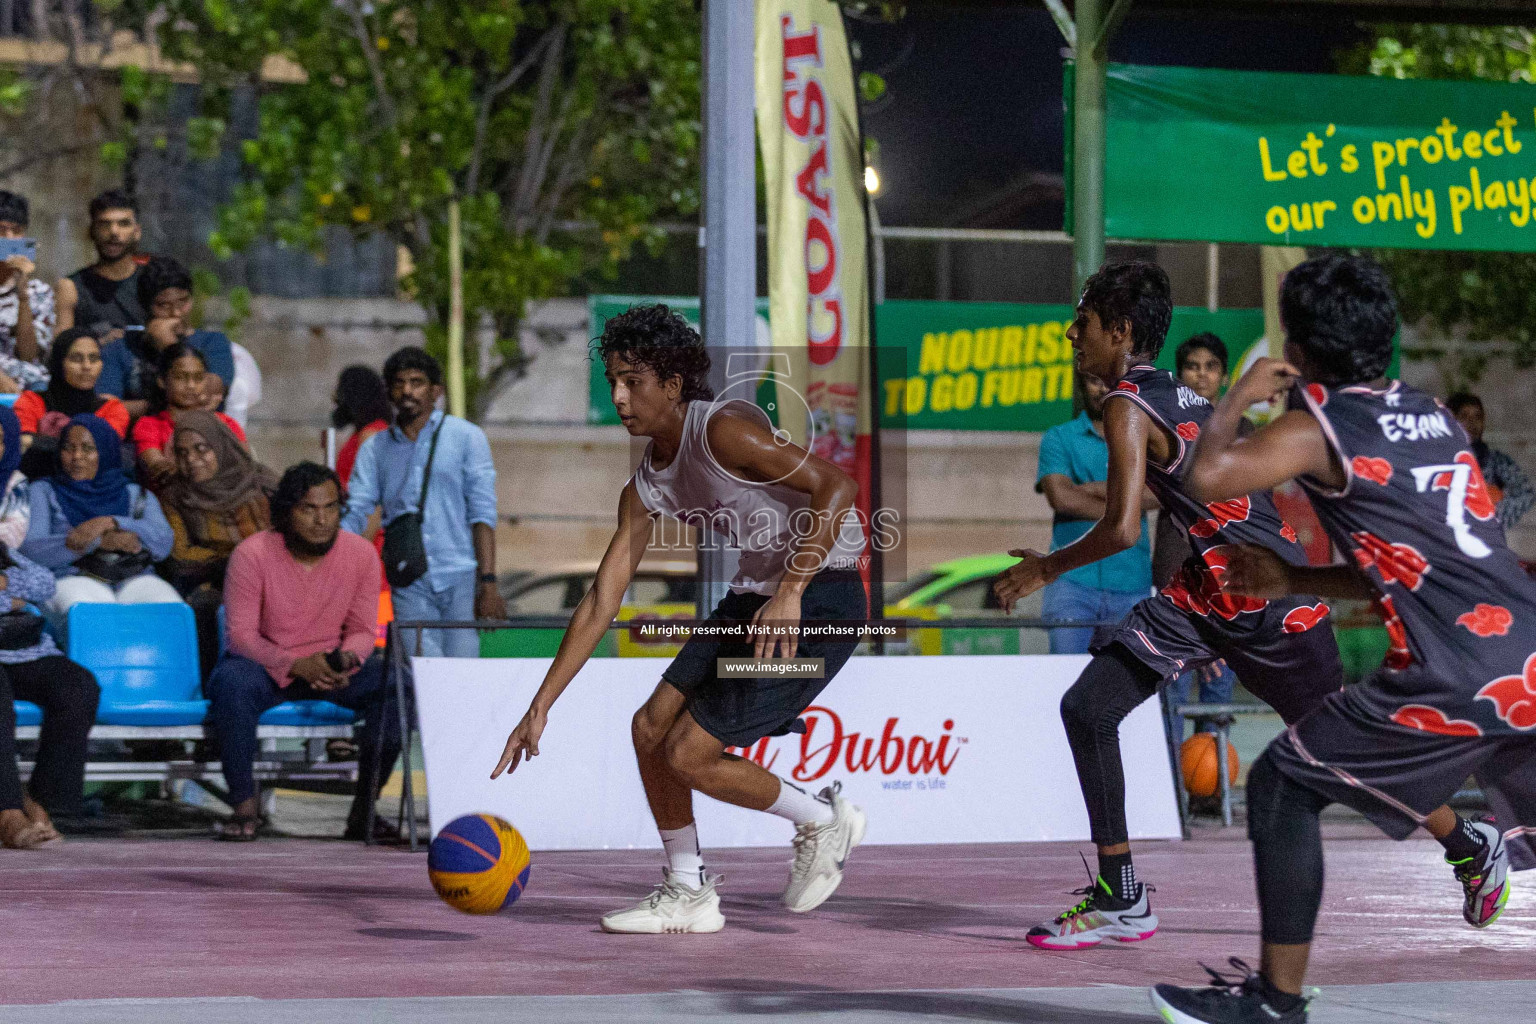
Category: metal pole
[729,237]
[1088,126]
[456,402]
[1212,277]
[877,250]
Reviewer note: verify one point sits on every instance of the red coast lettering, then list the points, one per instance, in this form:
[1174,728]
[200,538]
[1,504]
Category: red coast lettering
[806,117]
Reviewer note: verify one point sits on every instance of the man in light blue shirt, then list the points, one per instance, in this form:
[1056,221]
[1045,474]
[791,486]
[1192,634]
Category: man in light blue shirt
[458,525]
[1074,463]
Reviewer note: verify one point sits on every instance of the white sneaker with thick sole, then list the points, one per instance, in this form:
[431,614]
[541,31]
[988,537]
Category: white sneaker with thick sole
[672,908]
[821,850]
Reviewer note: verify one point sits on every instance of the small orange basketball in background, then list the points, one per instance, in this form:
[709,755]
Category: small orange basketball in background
[1198,760]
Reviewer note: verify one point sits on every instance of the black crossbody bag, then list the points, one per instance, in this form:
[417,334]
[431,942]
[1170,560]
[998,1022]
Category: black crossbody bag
[405,554]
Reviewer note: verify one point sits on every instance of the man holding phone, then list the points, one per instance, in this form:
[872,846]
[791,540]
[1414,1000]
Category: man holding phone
[301,601]
[26,304]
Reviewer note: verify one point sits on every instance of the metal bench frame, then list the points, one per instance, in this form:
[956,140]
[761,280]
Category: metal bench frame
[310,766]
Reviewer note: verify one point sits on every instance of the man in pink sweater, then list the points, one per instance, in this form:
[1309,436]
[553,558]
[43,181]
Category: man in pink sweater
[301,601]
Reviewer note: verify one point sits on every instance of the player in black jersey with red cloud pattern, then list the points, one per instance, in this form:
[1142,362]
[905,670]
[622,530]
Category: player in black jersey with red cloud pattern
[1283,650]
[1393,480]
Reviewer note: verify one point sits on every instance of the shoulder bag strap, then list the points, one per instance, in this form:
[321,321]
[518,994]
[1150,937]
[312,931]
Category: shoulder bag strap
[426,475]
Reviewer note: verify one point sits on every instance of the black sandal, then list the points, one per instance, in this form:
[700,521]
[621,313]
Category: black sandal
[384,832]
[341,750]
[239,828]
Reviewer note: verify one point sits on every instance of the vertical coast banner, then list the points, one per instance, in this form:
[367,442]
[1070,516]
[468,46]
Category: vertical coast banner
[818,236]
[1319,160]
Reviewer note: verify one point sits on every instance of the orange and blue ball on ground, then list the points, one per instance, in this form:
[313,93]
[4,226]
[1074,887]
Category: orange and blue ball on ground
[478,864]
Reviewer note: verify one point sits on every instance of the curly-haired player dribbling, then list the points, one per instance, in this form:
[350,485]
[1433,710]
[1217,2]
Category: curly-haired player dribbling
[791,515]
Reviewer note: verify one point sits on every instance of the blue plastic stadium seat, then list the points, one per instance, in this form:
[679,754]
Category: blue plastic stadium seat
[308,712]
[27,713]
[145,658]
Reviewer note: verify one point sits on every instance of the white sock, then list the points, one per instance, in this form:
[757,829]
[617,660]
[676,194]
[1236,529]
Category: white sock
[683,857]
[799,806]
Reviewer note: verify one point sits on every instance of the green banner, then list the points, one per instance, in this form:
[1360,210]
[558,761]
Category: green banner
[1289,159]
[968,365]
[1004,365]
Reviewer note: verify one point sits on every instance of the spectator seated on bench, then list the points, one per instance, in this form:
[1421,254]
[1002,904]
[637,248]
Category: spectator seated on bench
[98,533]
[216,498]
[301,601]
[299,713]
[59,694]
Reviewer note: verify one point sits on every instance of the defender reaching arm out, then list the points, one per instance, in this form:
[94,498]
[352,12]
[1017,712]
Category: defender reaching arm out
[1283,651]
[1104,352]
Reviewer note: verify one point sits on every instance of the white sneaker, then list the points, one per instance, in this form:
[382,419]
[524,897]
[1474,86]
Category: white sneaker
[821,850]
[1486,887]
[1088,924]
[671,908]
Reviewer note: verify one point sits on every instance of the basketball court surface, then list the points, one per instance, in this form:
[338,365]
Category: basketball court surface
[287,930]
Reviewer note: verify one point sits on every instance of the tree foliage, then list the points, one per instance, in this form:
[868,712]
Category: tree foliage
[562,127]
[1491,295]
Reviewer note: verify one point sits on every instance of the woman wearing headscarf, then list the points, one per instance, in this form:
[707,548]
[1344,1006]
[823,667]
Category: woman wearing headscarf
[74,366]
[33,669]
[98,533]
[15,509]
[216,499]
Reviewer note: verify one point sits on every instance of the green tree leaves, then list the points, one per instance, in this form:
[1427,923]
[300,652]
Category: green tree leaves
[563,127]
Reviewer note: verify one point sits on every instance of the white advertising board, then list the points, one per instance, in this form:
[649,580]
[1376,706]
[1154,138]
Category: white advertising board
[935,749]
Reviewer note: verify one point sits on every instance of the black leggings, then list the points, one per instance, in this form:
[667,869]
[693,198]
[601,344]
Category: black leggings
[1113,685]
[1285,827]
[67,693]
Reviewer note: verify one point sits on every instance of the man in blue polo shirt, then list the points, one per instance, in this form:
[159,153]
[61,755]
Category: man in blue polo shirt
[1074,463]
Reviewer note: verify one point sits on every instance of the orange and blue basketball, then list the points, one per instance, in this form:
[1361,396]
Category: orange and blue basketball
[478,864]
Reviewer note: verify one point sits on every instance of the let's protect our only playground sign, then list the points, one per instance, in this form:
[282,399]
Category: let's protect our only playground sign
[1290,159]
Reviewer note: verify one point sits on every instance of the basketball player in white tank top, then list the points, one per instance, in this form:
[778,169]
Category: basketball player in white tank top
[703,459]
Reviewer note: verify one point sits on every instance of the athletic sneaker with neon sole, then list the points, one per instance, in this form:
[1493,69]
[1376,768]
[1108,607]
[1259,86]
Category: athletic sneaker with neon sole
[821,850]
[1486,885]
[1227,1000]
[671,908]
[1090,922]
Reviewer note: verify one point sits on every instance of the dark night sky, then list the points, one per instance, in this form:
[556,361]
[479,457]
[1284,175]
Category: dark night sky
[977,100]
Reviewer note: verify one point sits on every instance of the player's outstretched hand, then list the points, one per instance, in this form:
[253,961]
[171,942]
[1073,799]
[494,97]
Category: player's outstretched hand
[1254,571]
[1019,581]
[524,741]
[1266,381]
